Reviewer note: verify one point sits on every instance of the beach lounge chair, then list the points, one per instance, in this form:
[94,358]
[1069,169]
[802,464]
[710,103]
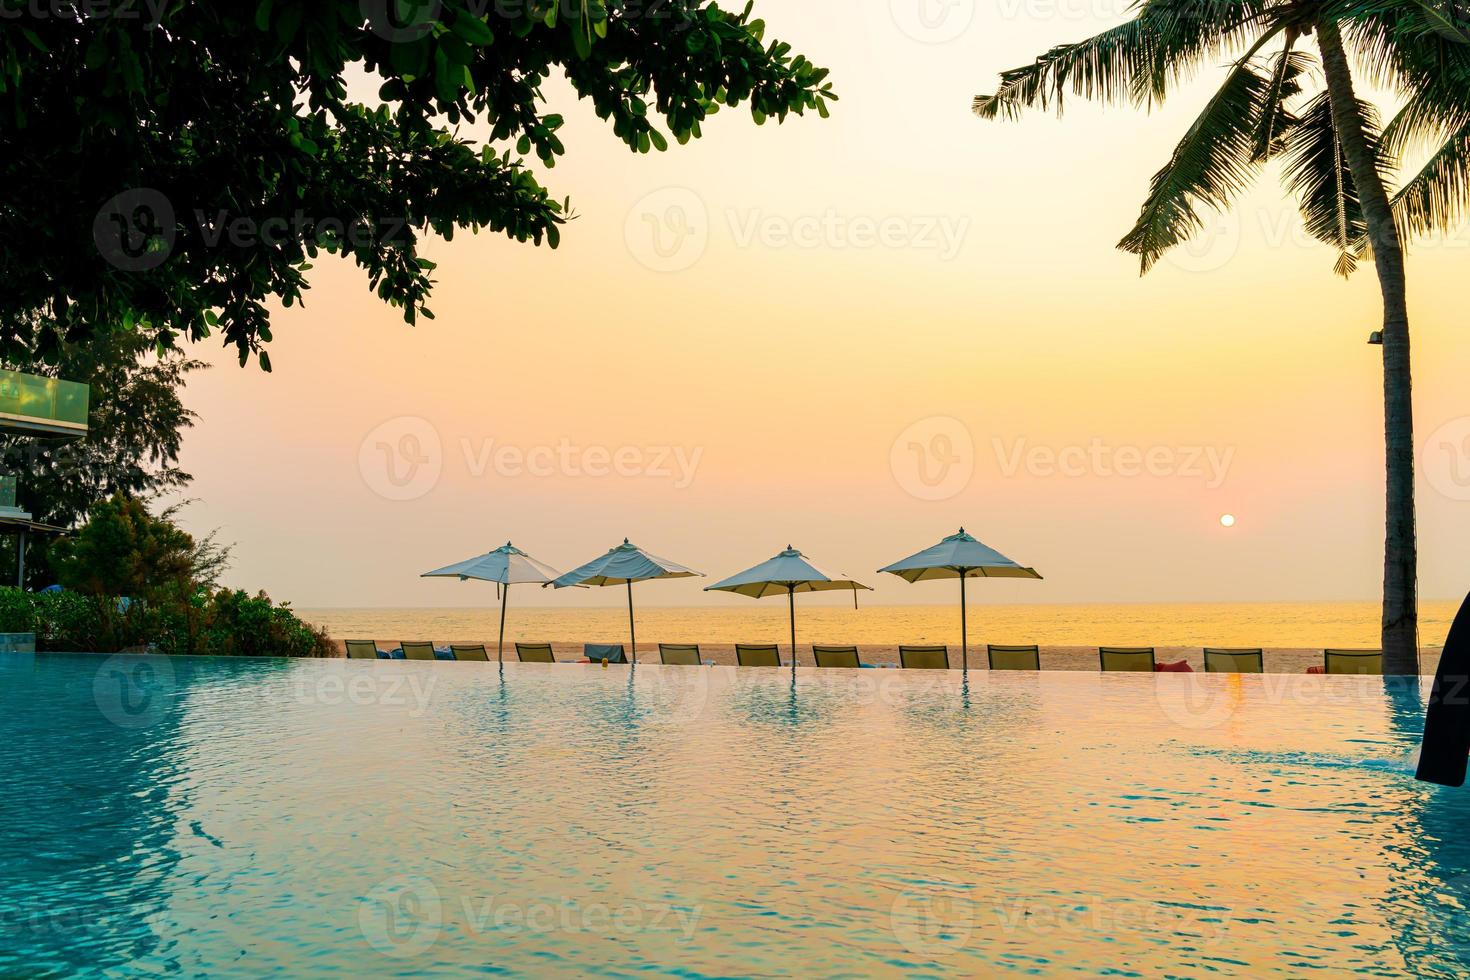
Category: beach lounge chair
[362,650]
[836,656]
[1139,659]
[757,655]
[475,652]
[612,653]
[1014,658]
[414,650]
[924,658]
[535,653]
[680,654]
[1234,661]
[1353,661]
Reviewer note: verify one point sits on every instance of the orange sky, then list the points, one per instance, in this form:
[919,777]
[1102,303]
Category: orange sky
[853,335]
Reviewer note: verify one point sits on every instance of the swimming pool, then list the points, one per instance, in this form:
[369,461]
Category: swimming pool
[231,817]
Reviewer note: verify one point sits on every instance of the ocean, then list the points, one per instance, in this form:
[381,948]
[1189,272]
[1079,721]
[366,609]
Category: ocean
[1227,624]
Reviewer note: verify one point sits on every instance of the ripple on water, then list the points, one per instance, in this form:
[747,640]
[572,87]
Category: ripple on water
[232,817]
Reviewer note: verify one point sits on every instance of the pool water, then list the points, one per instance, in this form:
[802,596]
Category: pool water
[231,817]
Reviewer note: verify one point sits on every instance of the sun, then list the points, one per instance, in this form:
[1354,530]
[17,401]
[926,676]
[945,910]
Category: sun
[1227,520]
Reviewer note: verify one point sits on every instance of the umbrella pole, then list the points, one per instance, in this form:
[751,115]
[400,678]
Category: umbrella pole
[632,631]
[500,644]
[791,601]
[964,626]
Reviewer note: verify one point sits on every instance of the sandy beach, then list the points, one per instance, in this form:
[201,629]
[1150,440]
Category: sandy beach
[1278,660]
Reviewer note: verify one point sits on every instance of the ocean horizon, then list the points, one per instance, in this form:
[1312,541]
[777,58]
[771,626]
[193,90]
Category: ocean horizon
[1306,624]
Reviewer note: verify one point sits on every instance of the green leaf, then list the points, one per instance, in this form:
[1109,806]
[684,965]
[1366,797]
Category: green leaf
[447,77]
[96,55]
[473,30]
[410,58]
[288,23]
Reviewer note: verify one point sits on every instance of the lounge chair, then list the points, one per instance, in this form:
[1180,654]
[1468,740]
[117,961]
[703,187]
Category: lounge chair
[535,653]
[1014,658]
[757,655]
[680,654]
[612,653]
[473,652]
[1137,659]
[362,650]
[924,658]
[836,656]
[1234,661]
[414,650]
[1353,661]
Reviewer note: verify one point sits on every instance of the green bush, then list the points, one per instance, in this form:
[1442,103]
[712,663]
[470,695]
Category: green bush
[60,620]
[172,604]
[17,614]
[67,621]
[238,624]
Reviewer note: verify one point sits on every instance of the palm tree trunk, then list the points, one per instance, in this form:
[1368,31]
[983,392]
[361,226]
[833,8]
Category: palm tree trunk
[1400,556]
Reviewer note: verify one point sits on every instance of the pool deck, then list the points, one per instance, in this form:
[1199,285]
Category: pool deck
[1278,660]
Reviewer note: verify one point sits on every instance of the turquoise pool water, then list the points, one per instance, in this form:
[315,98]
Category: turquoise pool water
[230,818]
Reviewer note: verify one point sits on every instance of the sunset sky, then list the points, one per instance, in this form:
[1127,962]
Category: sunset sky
[853,335]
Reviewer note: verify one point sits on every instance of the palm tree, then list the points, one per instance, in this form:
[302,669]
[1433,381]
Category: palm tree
[1334,161]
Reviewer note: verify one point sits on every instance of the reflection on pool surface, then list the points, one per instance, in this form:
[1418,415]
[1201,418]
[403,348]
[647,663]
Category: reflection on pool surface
[232,817]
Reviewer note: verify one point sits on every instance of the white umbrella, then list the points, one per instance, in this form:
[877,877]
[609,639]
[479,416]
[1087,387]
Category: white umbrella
[788,573]
[959,556]
[624,565]
[505,567]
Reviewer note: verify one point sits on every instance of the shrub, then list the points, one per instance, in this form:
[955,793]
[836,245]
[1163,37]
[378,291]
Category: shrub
[128,563]
[17,614]
[238,624]
[66,621]
[135,579]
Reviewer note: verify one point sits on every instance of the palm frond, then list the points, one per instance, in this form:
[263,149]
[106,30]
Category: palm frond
[1212,164]
[1135,61]
[1288,66]
[1316,172]
[1434,200]
[1393,48]
[1448,20]
[1434,109]
[1098,68]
